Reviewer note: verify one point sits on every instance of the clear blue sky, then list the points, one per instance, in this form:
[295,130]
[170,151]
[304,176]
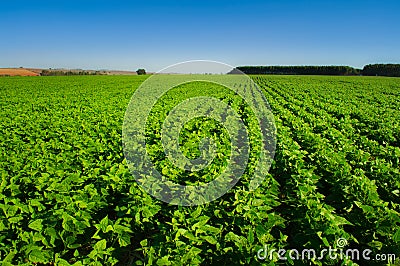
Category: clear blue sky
[95,34]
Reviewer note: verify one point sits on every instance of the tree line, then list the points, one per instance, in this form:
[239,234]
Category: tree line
[57,72]
[50,72]
[368,70]
[390,70]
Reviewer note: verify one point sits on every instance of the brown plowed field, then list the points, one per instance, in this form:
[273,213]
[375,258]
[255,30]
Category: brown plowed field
[16,72]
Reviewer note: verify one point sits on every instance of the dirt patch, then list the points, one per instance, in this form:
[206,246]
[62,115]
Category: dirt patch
[16,72]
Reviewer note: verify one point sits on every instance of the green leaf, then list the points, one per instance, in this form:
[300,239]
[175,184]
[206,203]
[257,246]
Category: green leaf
[396,236]
[143,243]
[261,230]
[163,261]
[100,245]
[15,220]
[124,239]
[109,228]
[9,256]
[211,229]
[250,236]
[62,262]
[36,225]
[37,256]
[189,236]
[232,237]
[103,224]
[50,231]
[210,239]
[196,213]
[341,221]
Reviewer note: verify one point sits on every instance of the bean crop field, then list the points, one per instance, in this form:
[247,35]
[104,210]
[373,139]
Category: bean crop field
[67,196]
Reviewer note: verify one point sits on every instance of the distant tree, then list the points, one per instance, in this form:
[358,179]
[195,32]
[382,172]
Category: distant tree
[141,71]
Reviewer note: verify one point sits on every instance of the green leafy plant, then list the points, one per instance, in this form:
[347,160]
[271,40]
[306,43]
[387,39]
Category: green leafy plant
[68,198]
